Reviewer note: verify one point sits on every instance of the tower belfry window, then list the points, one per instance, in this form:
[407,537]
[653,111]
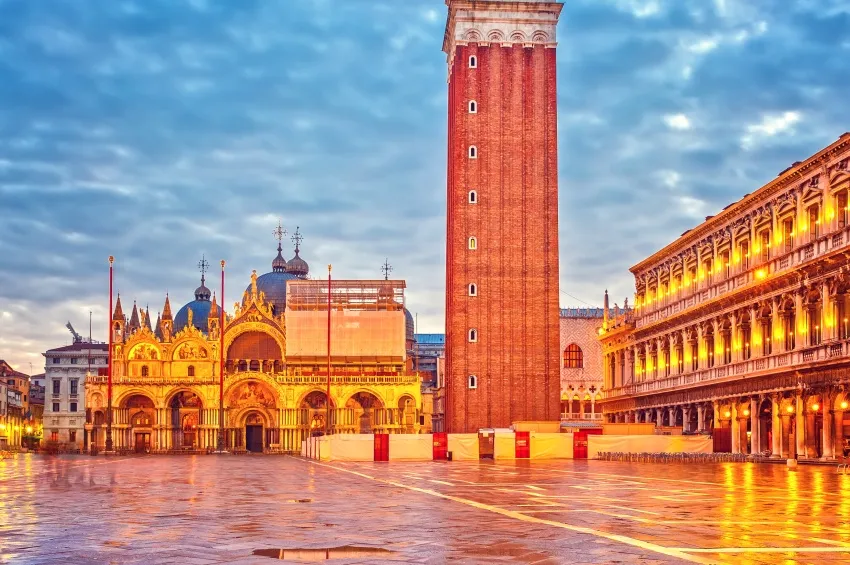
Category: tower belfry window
[473,62]
[473,152]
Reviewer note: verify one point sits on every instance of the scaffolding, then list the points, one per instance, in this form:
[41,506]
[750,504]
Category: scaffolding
[370,295]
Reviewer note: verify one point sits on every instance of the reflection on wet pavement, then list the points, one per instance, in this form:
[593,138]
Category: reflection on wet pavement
[200,510]
[343,552]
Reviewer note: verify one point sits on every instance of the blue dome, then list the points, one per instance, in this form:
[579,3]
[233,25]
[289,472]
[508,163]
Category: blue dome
[274,286]
[200,313]
[409,326]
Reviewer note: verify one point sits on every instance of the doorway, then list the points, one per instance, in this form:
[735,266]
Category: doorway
[143,442]
[254,438]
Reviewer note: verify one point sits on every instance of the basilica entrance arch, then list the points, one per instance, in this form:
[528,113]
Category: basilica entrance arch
[141,414]
[254,426]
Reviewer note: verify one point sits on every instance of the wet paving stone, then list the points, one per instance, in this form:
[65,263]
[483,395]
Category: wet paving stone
[223,509]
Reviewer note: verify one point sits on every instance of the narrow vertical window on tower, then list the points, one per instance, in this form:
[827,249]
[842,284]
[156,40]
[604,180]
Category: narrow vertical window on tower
[473,381]
[473,107]
[473,243]
[473,197]
[473,289]
[473,152]
[473,62]
[473,335]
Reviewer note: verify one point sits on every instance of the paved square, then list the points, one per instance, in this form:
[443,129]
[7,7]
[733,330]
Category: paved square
[211,509]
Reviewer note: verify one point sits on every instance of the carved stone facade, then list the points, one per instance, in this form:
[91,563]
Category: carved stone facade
[742,324]
[502,302]
[166,387]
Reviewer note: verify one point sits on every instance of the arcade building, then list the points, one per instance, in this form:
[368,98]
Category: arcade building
[166,374]
[740,326]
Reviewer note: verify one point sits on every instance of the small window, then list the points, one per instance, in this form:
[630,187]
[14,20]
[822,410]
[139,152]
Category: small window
[55,360]
[473,289]
[473,62]
[191,370]
[473,197]
[56,407]
[573,357]
[473,243]
[74,360]
[145,371]
[73,407]
[473,381]
[473,107]
[473,152]
[473,335]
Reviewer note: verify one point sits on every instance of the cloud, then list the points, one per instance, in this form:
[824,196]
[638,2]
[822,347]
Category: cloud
[677,121]
[158,131]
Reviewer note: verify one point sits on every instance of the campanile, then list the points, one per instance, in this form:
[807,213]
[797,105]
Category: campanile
[502,343]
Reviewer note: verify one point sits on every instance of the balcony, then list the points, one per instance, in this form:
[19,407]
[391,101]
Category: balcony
[823,353]
[580,416]
[709,290]
[396,379]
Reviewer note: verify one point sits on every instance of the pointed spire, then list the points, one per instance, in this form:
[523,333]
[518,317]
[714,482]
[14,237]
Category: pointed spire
[605,310]
[166,310]
[213,309]
[118,313]
[134,319]
[148,317]
[279,263]
[202,292]
[157,328]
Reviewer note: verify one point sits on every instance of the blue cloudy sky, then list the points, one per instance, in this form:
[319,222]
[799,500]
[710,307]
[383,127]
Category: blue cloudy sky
[159,130]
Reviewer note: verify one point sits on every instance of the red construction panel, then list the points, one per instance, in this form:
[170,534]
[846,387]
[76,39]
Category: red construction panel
[523,445]
[441,445]
[382,447]
[722,440]
[580,445]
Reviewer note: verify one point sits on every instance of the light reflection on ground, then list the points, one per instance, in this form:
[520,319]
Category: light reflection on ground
[221,509]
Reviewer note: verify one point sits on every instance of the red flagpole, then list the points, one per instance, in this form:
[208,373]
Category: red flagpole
[221,370]
[328,399]
[109,368]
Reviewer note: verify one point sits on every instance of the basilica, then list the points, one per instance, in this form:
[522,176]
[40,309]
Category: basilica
[274,352]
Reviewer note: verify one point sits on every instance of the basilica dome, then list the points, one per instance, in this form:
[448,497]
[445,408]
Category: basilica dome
[200,308]
[273,284]
[409,326]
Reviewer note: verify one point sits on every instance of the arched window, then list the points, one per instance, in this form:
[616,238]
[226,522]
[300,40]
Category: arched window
[473,107]
[473,335]
[255,366]
[191,371]
[473,62]
[473,381]
[473,197]
[573,357]
[473,152]
[473,289]
[145,371]
[473,243]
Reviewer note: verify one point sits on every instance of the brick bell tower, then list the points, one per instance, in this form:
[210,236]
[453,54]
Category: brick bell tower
[502,328]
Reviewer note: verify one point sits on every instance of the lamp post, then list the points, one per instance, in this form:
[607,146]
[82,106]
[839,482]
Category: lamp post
[328,398]
[221,370]
[109,368]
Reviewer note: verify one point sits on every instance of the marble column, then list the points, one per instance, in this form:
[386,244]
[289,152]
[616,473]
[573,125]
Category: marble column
[755,432]
[786,447]
[802,430]
[658,420]
[736,428]
[828,421]
[672,414]
[776,425]
[838,426]
[700,417]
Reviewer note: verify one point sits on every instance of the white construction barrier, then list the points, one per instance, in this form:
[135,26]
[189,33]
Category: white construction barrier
[647,444]
[464,447]
[551,446]
[504,446]
[411,447]
[352,447]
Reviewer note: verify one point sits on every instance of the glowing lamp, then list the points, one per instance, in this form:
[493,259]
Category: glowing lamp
[844,405]
[815,407]
[728,414]
[29,429]
[790,409]
[2,426]
[761,273]
[746,412]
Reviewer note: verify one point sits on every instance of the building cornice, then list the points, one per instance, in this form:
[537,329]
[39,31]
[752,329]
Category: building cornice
[794,174]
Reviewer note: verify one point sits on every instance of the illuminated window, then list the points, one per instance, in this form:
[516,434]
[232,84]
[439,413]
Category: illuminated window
[788,233]
[191,371]
[473,381]
[764,237]
[473,107]
[814,221]
[145,371]
[744,250]
[473,62]
[473,243]
[473,152]
[473,197]
[473,335]
[724,263]
[573,357]
[473,289]
[841,204]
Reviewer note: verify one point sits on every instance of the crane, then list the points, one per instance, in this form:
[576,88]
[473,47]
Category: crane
[77,337]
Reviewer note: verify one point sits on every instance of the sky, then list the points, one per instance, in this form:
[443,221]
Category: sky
[159,131]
